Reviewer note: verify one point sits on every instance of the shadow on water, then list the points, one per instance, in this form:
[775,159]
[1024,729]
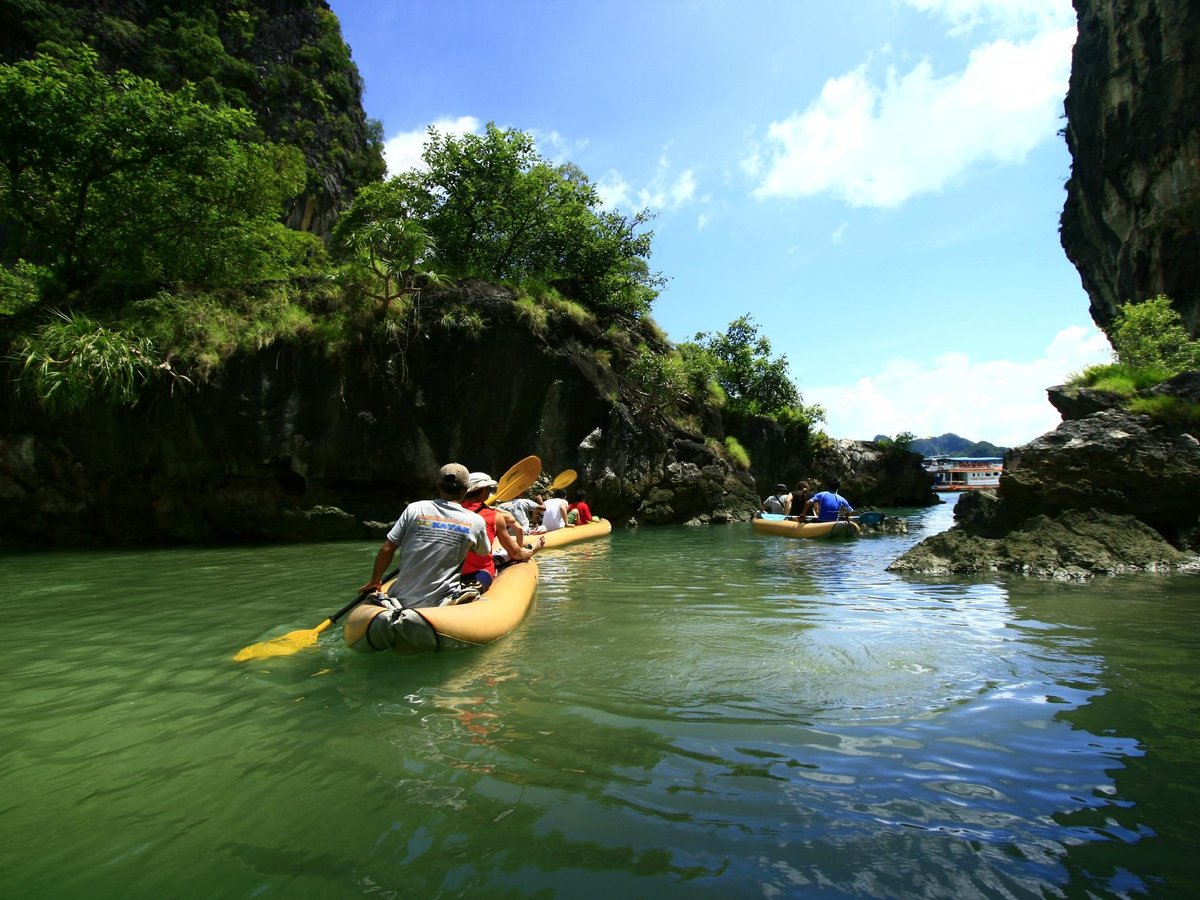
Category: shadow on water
[686,712]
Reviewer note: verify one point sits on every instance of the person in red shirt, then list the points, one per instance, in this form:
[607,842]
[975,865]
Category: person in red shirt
[583,513]
[478,567]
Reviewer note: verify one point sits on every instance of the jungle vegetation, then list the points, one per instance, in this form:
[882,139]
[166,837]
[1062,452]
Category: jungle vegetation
[142,236]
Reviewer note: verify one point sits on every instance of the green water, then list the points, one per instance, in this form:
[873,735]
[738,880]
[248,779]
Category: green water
[685,713]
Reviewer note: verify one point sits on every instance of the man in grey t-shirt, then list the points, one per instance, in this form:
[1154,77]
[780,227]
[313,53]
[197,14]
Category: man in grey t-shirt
[433,537]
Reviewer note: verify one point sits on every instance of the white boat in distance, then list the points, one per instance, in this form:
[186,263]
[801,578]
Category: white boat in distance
[965,473]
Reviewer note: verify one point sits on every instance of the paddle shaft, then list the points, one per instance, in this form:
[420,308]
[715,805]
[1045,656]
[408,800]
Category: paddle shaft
[361,597]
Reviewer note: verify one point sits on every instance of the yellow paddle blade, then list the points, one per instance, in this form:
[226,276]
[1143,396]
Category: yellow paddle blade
[284,645]
[565,478]
[517,480]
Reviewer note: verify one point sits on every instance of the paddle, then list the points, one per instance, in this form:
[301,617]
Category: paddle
[293,641]
[515,481]
[563,479]
[870,518]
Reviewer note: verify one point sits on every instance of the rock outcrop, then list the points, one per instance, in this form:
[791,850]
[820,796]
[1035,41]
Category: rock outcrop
[1131,224]
[291,445]
[1107,492]
[870,473]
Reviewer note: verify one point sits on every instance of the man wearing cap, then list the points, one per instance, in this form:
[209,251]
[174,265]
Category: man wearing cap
[433,537]
[481,568]
[779,501]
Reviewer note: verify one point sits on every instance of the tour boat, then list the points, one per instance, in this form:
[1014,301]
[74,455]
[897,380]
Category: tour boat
[963,473]
[437,629]
[781,526]
[574,533]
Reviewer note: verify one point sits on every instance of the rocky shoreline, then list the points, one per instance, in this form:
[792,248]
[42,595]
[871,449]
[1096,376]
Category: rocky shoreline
[1108,492]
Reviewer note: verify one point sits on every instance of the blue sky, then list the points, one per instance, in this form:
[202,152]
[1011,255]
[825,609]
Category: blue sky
[878,183]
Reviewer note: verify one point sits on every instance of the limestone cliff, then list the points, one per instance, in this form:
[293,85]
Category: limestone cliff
[1131,224]
[293,444]
[285,60]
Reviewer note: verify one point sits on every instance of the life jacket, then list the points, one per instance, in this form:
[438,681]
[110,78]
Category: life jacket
[477,562]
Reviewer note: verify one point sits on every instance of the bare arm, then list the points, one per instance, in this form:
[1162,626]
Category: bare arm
[382,559]
[511,545]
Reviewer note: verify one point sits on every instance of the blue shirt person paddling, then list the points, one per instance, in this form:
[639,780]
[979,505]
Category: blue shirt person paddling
[829,505]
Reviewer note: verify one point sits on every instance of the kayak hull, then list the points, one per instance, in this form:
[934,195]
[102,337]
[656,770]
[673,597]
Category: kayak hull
[438,629]
[796,529]
[574,534]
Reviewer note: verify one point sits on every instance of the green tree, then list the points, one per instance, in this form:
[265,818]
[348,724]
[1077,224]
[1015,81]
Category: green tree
[381,233]
[115,186]
[1150,335]
[741,362]
[496,209]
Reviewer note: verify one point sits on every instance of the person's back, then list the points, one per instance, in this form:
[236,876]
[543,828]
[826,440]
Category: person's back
[579,510]
[800,497]
[829,505]
[554,516]
[522,510]
[433,537]
[777,503]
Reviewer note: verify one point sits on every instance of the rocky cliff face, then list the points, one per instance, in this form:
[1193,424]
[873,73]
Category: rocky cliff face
[290,445]
[1110,490]
[1131,224]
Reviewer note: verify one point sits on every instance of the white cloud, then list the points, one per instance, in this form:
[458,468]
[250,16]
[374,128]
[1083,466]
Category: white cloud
[702,220]
[614,191]
[1002,401]
[402,152]
[665,190]
[839,233]
[1011,18]
[878,143]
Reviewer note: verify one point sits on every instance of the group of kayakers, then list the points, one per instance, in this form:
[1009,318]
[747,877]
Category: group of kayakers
[800,504]
[540,513]
[451,547]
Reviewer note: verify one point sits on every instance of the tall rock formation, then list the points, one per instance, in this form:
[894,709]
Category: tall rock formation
[285,60]
[1131,224]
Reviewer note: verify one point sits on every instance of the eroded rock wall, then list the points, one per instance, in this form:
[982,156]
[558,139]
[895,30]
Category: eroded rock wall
[290,444]
[1131,224]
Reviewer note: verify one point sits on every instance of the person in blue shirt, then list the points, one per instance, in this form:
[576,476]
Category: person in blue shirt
[829,505]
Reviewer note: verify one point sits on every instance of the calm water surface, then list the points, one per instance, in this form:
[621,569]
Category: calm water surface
[685,713]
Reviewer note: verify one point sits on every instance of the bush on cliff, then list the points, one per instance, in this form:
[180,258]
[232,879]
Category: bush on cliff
[752,382]
[1150,345]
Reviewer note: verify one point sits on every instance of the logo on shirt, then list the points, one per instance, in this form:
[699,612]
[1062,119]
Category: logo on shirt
[436,523]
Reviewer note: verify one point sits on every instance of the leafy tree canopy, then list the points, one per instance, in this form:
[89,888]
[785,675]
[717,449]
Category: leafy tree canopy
[114,185]
[287,63]
[753,381]
[494,208]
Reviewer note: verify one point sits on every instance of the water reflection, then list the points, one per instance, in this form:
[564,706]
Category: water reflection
[685,712]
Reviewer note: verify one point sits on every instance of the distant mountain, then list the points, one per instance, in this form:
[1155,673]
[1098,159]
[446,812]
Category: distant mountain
[952,445]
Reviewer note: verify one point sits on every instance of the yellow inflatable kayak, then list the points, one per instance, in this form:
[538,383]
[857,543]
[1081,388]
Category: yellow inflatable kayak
[574,533]
[794,528]
[437,629]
